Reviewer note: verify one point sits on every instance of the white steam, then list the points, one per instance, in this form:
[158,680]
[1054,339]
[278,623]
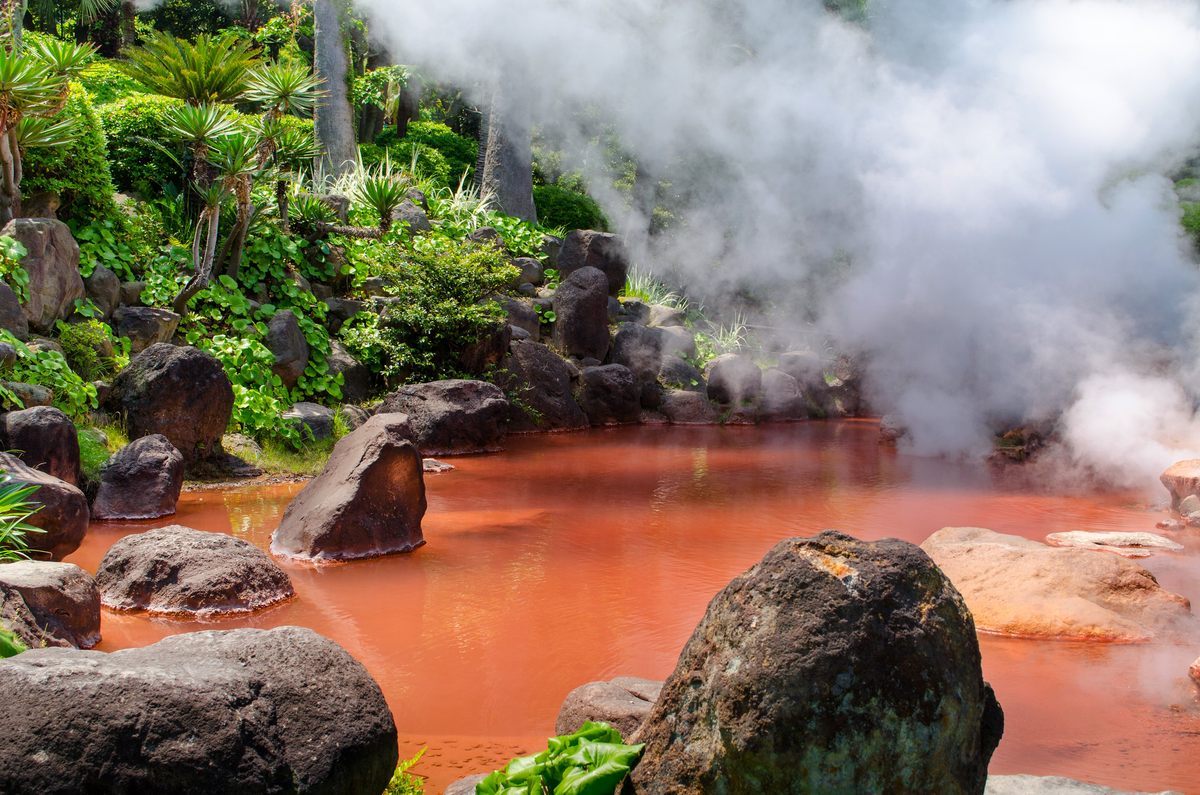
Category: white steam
[967,193]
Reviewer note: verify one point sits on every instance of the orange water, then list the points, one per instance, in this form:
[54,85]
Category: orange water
[578,557]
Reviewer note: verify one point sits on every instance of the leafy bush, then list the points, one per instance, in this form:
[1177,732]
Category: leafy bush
[91,349]
[96,446]
[106,83]
[1191,221]
[10,644]
[459,152]
[189,17]
[592,761]
[15,508]
[569,209]
[136,131]
[119,244]
[427,162]
[12,272]
[445,306]
[78,171]
[49,368]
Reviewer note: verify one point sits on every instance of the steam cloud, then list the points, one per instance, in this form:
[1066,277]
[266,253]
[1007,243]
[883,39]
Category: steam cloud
[969,194]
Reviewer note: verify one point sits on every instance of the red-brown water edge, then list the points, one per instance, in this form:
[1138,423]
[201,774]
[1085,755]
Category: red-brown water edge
[579,557]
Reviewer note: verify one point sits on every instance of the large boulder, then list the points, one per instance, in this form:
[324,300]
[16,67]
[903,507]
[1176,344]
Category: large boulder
[622,703]
[285,339]
[782,398]
[610,395]
[12,316]
[50,604]
[834,665]
[145,326]
[486,352]
[1182,480]
[104,289]
[685,407]
[1024,588]
[581,309]
[368,501]
[412,216]
[176,570]
[452,417]
[356,377]
[53,267]
[142,480]
[62,513]
[44,438]
[540,383]
[246,710]
[639,348]
[600,250]
[180,392]
[734,379]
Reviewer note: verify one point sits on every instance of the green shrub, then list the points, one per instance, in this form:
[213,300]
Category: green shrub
[187,18]
[558,206]
[96,446]
[136,132]
[91,349]
[49,368]
[1191,220]
[459,152]
[10,644]
[403,782]
[12,272]
[79,171]
[592,761]
[445,306]
[428,163]
[107,83]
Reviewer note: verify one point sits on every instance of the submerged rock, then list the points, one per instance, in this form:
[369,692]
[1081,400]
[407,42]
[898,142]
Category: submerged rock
[452,417]
[1130,545]
[1019,587]
[44,438]
[622,703]
[50,604]
[178,570]
[247,710]
[63,515]
[833,665]
[141,481]
[368,501]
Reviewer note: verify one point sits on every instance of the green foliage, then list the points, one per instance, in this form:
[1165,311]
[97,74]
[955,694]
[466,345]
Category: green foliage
[418,158]
[446,305]
[403,782]
[136,128]
[77,171]
[204,71]
[107,83]
[49,368]
[12,272]
[642,285]
[96,446]
[119,244]
[459,152]
[91,349]
[10,644]
[569,209]
[15,509]
[1191,220]
[189,17]
[592,761]
[380,88]
[521,238]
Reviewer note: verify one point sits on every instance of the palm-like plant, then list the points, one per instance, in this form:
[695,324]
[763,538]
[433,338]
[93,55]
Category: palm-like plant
[235,158]
[285,88]
[293,150]
[16,507]
[383,191]
[202,72]
[199,127]
[204,244]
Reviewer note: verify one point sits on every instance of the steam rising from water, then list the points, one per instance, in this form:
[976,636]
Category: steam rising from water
[966,193]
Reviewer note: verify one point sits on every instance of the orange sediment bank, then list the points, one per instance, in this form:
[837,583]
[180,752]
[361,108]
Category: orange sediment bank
[577,557]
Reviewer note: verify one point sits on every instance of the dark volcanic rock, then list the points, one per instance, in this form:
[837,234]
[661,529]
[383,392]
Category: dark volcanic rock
[341,310]
[622,703]
[833,665]
[145,326]
[53,267]
[356,378]
[131,293]
[540,383]
[104,288]
[734,378]
[50,604]
[610,395]
[599,250]
[243,711]
[684,407]
[286,341]
[412,216]
[452,417]
[782,398]
[640,349]
[486,352]
[312,420]
[44,438]
[178,570]
[12,316]
[63,515]
[581,306]
[180,392]
[367,502]
[141,481]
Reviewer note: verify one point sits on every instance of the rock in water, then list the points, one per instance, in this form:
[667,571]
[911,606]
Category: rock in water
[178,570]
[180,392]
[63,515]
[50,604]
[368,501]
[832,666]
[734,378]
[1130,545]
[248,710]
[141,481]
[45,439]
[540,380]
[622,703]
[452,417]
[610,395]
[53,267]
[1182,479]
[1020,587]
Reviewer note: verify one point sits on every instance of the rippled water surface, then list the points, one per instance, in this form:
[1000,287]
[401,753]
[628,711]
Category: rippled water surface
[578,557]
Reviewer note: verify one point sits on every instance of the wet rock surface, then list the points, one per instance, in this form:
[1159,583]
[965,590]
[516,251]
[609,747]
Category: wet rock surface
[833,665]
[368,501]
[63,515]
[1182,480]
[1130,545]
[50,604]
[452,417]
[178,570]
[247,710]
[734,378]
[684,407]
[610,395]
[44,438]
[622,703]
[140,481]
[1019,587]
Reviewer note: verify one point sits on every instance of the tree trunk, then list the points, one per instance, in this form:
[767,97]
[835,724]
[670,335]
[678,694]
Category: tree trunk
[10,187]
[334,118]
[508,160]
[203,261]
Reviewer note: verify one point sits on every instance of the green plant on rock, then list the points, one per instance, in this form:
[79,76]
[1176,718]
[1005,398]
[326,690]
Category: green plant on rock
[91,349]
[12,272]
[592,761]
[49,369]
[382,190]
[15,509]
[403,782]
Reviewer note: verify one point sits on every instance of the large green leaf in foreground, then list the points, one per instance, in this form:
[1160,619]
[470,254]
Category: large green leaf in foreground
[10,645]
[592,761]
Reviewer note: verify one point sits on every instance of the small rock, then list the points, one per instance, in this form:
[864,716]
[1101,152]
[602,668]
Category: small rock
[465,786]
[432,466]
[131,293]
[141,481]
[734,378]
[1189,505]
[1051,785]
[8,355]
[104,288]
[412,216]
[891,429]
[50,604]
[317,420]
[666,316]
[1130,545]
[285,339]
[486,235]
[44,438]
[354,416]
[682,407]
[1170,524]
[145,326]
[531,270]
[622,703]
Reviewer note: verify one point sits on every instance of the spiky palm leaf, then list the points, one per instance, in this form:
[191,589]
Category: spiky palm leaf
[309,210]
[199,125]
[27,88]
[34,132]
[202,72]
[63,58]
[285,88]
[383,191]
[235,156]
[295,148]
